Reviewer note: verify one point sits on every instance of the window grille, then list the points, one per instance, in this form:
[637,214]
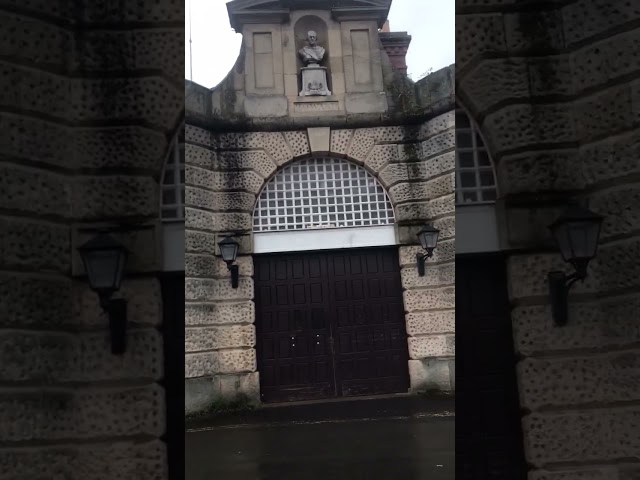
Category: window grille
[322,193]
[475,179]
[173,184]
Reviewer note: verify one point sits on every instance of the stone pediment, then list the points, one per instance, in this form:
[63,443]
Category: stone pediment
[243,12]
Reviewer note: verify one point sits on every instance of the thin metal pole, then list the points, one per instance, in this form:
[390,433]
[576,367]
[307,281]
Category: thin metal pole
[190,45]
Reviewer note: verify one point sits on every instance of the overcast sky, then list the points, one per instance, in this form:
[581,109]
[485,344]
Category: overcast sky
[431,23]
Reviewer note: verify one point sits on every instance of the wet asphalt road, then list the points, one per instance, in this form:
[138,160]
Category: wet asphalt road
[420,446]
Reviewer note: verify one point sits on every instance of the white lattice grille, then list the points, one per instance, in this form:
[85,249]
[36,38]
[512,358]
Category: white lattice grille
[475,180]
[322,193]
[173,185]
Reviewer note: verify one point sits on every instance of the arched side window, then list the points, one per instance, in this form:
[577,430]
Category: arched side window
[322,193]
[173,183]
[475,179]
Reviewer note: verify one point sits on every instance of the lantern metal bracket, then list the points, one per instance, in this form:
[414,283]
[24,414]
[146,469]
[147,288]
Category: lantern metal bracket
[559,285]
[117,311]
[421,259]
[235,274]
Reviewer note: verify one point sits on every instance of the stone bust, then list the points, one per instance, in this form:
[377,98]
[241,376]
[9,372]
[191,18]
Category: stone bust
[313,53]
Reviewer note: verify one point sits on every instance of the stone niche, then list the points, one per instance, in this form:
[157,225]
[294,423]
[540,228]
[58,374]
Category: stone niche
[272,38]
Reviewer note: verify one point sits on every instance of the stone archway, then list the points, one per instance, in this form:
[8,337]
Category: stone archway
[226,173]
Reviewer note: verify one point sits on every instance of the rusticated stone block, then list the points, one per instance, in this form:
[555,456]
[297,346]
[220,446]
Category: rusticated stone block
[429,299]
[605,113]
[248,181]
[445,252]
[555,170]
[144,303]
[200,156]
[277,147]
[201,364]
[437,125]
[551,75]
[219,313]
[95,461]
[438,144]
[484,32]
[212,290]
[217,222]
[239,360]
[420,323]
[199,136]
[495,80]
[198,339]
[599,63]
[594,324]
[32,245]
[421,191]
[426,210]
[82,415]
[606,378]
[205,364]
[27,302]
[585,18]
[361,144]
[64,357]
[142,11]
[258,161]
[620,209]
[534,31]
[121,50]
[340,140]
[527,125]
[86,102]
[435,276]
[219,201]
[432,346]
[32,191]
[593,436]
[425,170]
[198,265]
[48,45]
[200,242]
[380,156]
[121,147]
[202,393]
[95,198]
[298,143]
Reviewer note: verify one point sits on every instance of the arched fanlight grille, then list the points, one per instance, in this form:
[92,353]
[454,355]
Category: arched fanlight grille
[173,184]
[322,193]
[475,179]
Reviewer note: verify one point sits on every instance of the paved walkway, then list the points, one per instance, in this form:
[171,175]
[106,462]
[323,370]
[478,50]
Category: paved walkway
[402,438]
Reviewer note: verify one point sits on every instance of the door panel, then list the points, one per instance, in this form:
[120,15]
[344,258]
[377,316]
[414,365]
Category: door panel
[348,334]
[488,432]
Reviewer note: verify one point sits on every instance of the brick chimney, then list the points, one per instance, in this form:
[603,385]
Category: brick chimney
[396,44]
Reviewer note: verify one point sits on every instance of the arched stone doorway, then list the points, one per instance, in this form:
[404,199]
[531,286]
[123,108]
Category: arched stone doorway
[330,317]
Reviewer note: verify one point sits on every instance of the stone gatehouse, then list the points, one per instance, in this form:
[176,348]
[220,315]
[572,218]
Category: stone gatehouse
[322,160]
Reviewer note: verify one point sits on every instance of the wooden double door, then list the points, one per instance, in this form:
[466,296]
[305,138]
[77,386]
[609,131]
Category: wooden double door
[489,442]
[330,324]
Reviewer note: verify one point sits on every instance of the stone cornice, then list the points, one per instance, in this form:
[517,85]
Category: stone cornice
[242,12]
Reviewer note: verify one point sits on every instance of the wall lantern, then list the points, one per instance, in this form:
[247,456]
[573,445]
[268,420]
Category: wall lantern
[229,251]
[576,234]
[104,260]
[428,237]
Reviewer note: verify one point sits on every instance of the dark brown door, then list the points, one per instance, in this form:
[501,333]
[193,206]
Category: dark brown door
[330,324]
[488,432]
